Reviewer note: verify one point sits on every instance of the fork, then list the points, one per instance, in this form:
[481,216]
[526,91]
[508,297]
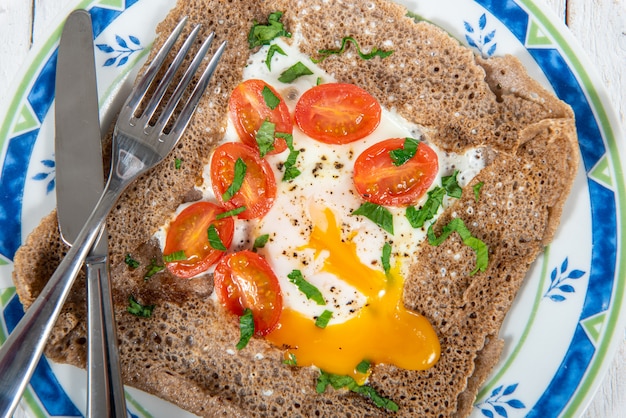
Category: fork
[138,145]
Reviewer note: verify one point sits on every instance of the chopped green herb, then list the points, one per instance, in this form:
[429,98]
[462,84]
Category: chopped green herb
[265,137]
[293,72]
[175,256]
[428,210]
[363,367]
[229,213]
[340,381]
[263,34]
[416,18]
[451,185]
[291,171]
[271,100]
[214,239]
[400,156]
[375,52]
[240,173]
[386,257]
[477,188]
[323,319]
[246,329]
[153,268]
[318,81]
[131,262]
[270,54]
[310,291]
[290,360]
[178,163]
[457,225]
[378,214]
[260,241]
[138,309]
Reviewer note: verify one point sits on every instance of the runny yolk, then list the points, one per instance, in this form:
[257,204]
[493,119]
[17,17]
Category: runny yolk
[382,331]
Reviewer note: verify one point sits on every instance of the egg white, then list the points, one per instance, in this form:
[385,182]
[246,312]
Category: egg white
[326,182]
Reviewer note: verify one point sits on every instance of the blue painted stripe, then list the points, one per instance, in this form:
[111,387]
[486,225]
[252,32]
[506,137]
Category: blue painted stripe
[12,181]
[511,14]
[44,382]
[604,255]
[565,381]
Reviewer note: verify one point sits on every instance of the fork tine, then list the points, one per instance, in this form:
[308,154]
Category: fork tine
[142,86]
[168,110]
[167,78]
[185,115]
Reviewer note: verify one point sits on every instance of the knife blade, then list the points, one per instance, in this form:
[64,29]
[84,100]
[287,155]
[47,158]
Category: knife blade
[79,183]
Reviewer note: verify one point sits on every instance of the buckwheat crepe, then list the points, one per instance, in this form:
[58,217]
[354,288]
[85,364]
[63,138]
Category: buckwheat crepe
[184,352]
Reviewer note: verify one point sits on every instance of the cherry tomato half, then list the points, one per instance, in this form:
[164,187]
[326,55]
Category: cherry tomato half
[258,189]
[379,181]
[189,233]
[245,280]
[248,109]
[337,113]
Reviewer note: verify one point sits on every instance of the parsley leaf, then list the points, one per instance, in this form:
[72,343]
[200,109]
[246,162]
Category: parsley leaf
[378,214]
[309,290]
[240,173]
[375,52]
[363,367]
[214,239]
[246,329]
[402,155]
[178,163]
[290,360]
[324,318]
[457,225]
[451,185]
[153,268]
[341,381]
[232,212]
[271,100]
[175,256]
[260,241]
[263,34]
[293,72]
[477,188]
[138,309]
[270,53]
[291,171]
[131,262]
[265,137]
[386,257]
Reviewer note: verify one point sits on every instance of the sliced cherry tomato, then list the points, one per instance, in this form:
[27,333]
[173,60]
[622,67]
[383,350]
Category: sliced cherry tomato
[245,280]
[258,189]
[337,113]
[248,109]
[189,233]
[378,180]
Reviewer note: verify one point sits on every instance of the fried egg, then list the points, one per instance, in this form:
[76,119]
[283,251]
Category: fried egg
[311,228]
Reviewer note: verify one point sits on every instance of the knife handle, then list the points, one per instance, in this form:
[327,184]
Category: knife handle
[24,346]
[105,389]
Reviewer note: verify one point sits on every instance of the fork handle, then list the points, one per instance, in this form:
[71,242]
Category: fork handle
[24,346]
[105,390]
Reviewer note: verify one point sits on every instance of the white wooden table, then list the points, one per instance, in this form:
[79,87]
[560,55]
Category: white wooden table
[599,26]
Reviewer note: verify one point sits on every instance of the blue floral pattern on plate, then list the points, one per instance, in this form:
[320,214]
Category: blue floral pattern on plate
[120,53]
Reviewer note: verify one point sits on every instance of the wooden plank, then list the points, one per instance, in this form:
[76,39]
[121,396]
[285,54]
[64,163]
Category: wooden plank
[15,32]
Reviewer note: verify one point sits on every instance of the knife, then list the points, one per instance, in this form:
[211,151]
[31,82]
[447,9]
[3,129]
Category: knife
[79,183]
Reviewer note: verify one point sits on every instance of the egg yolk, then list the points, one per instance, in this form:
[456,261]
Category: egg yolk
[382,331]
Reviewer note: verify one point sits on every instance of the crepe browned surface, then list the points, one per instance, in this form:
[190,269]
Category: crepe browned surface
[185,352]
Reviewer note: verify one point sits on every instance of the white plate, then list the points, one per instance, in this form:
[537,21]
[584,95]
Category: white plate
[565,324]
